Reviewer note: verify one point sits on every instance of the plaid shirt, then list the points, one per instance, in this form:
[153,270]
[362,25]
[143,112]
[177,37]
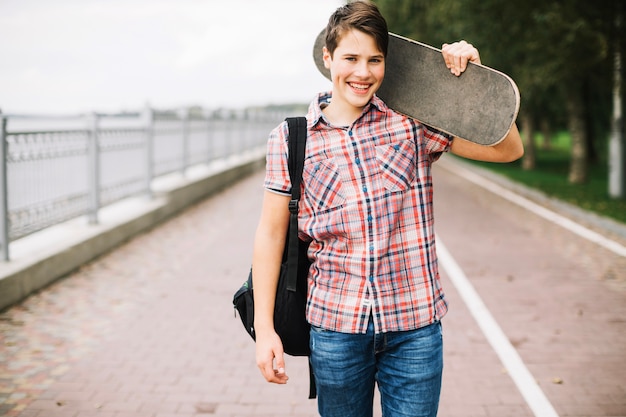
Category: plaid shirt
[367,208]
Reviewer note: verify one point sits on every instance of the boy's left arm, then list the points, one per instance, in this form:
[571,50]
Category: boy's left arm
[508,150]
[456,57]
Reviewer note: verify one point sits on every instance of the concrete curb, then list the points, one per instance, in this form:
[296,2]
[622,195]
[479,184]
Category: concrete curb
[44,257]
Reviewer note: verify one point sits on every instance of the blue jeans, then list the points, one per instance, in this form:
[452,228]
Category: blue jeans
[407,366]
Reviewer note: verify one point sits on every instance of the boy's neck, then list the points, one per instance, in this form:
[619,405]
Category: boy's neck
[338,115]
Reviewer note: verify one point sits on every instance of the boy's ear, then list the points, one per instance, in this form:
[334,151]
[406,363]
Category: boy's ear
[326,57]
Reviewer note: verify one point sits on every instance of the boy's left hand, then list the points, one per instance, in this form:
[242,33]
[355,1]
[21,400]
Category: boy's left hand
[457,55]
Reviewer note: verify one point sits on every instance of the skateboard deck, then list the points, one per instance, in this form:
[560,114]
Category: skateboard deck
[480,105]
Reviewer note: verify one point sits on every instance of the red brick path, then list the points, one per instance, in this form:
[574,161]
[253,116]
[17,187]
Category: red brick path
[149,330]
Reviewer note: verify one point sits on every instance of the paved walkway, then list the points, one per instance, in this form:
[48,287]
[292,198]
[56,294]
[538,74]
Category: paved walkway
[148,330]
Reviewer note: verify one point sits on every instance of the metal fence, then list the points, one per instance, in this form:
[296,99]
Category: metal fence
[54,169]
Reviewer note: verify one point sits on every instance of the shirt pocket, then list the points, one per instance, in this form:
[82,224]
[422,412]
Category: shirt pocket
[323,186]
[398,164]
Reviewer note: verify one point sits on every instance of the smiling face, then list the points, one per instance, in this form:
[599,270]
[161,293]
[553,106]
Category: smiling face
[357,68]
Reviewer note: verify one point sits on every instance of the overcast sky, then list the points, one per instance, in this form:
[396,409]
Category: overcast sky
[68,56]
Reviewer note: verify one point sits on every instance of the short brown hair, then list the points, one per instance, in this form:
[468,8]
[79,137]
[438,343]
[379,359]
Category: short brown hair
[360,15]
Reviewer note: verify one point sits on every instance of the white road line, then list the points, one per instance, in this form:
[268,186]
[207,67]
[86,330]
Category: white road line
[550,215]
[535,398]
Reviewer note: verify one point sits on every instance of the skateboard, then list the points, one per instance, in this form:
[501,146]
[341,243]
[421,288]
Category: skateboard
[480,105]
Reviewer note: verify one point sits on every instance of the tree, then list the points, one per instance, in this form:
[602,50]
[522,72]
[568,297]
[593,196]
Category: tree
[617,145]
[556,51]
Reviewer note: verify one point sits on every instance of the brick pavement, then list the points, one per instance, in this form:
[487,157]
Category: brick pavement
[148,330]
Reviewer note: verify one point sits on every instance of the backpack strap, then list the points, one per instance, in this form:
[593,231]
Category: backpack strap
[297,147]
[312,385]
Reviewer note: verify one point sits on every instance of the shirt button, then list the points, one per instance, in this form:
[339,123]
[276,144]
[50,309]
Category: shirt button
[371,278]
[364,189]
[396,147]
[357,160]
[372,248]
[370,218]
[350,133]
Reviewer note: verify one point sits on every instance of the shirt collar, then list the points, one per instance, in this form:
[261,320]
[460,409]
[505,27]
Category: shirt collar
[315,115]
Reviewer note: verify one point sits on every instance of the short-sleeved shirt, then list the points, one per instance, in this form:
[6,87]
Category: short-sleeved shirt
[367,208]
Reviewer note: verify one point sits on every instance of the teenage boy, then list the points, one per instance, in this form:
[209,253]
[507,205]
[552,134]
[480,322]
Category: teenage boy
[374,296]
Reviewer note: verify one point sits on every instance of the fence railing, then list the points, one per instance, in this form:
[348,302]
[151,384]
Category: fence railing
[53,169]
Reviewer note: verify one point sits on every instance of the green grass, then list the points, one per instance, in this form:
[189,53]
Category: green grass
[550,177]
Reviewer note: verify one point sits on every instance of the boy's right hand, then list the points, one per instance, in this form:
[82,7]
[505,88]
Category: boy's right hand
[458,54]
[270,353]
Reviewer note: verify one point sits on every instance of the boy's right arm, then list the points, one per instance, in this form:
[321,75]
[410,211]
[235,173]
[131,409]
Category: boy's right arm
[269,243]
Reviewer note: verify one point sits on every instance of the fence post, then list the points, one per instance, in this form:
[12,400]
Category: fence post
[94,168]
[185,122]
[245,129]
[148,116]
[229,146]
[209,136]
[4,196]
